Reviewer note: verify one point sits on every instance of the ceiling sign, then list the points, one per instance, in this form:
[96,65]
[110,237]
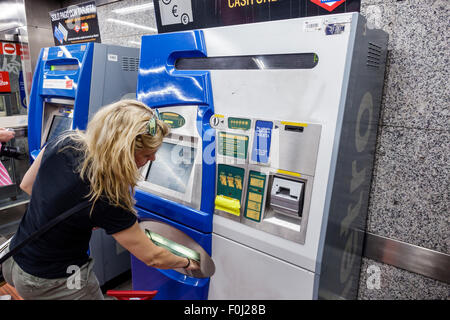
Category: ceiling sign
[179,15]
[75,24]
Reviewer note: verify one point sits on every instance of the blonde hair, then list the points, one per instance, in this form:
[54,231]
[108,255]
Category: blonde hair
[109,143]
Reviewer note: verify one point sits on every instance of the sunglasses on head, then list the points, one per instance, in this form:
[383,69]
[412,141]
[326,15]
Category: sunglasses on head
[152,125]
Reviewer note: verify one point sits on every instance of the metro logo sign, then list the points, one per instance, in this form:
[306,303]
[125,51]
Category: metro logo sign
[328,5]
[13,49]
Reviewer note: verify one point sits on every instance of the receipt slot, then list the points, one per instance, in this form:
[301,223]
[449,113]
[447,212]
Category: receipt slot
[287,196]
[70,84]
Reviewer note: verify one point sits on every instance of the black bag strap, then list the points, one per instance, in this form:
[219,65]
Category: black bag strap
[45,228]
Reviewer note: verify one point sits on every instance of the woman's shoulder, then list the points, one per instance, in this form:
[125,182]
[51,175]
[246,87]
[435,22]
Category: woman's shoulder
[69,145]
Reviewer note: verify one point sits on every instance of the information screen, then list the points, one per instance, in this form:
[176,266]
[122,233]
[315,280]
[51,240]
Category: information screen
[172,167]
[59,124]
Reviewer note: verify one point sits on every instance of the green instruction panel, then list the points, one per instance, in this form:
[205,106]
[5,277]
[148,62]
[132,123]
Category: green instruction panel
[229,188]
[255,195]
[233,145]
[239,123]
[174,120]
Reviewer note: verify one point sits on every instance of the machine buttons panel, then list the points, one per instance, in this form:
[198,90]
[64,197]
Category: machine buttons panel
[265,173]
[239,123]
[255,195]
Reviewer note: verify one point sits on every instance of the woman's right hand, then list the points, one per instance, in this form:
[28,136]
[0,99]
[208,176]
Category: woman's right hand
[193,266]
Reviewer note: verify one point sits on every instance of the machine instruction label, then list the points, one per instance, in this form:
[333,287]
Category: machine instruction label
[233,145]
[255,196]
[66,84]
[229,188]
[262,140]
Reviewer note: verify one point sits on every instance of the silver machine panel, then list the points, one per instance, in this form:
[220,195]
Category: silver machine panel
[282,205]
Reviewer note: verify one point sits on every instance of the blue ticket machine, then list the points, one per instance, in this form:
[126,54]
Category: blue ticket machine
[70,84]
[178,187]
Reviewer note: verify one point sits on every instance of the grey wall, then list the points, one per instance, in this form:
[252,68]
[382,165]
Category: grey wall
[39,26]
[411,182]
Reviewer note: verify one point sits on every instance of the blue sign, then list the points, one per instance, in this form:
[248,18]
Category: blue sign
[261,141]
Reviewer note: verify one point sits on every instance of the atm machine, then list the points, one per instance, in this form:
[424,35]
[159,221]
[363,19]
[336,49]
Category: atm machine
[70,84]
[296,108]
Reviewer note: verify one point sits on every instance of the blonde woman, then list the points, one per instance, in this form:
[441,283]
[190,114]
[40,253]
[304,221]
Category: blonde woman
[102,165]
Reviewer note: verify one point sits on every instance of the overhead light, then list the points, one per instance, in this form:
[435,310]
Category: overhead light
[138,8]
[8,10]
[132,25]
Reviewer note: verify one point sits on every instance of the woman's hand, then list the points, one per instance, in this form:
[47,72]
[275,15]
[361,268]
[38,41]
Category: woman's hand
[193,265]
[6,135]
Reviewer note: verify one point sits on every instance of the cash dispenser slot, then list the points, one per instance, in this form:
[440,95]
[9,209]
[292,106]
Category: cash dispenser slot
[174,247]
[286,196]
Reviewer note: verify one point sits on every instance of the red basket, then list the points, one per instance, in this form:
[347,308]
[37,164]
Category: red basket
[132,294]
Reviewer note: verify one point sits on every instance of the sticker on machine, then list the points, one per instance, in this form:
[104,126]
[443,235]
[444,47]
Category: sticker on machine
[65,84]
[313,25]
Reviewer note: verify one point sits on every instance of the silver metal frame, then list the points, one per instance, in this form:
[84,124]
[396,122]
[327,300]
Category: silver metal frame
[430,263]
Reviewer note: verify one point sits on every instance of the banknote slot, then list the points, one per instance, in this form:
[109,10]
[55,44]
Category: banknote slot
[294,128]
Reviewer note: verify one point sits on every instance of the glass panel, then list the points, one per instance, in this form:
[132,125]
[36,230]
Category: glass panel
[172,167]
[59,125]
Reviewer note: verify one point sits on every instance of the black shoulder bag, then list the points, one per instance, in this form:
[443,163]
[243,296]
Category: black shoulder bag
[37,234]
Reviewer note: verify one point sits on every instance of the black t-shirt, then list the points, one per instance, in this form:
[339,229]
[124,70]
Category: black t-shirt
[57,188]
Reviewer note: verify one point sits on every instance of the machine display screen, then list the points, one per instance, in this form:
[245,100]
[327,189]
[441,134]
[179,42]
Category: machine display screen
[59,124]
[172,167]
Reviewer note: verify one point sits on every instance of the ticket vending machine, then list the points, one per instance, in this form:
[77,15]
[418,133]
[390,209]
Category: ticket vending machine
[296,114]
[176,188]
[70,84]
[296,107]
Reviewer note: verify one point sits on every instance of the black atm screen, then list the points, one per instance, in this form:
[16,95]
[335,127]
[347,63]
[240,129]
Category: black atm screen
[59,125]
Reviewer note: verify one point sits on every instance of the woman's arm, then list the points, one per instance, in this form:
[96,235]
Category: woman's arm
[29,177]
[134,240]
